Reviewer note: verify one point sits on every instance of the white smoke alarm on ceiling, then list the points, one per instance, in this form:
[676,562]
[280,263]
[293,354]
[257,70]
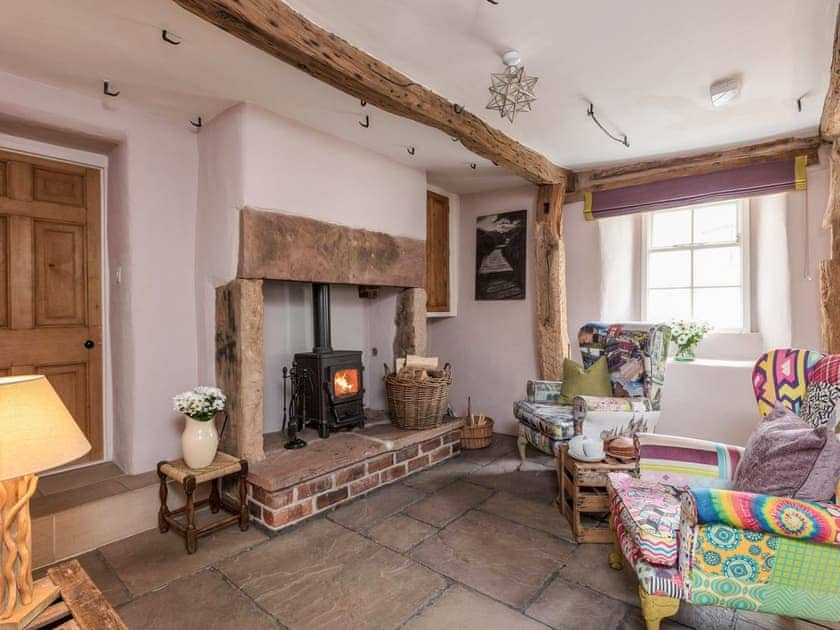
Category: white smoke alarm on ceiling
[725,91]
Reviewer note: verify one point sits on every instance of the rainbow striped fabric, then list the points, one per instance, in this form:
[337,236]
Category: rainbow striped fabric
[687,462]
[802,520]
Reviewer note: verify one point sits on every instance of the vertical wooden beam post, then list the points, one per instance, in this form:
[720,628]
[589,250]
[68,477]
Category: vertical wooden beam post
[550,273]
[830,268]
[240,365]
[411,334]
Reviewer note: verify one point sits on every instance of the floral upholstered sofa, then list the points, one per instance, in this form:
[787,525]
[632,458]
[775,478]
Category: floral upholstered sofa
[636,354]
[689,536]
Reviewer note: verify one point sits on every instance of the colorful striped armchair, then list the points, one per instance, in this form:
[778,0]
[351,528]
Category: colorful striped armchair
[688,536]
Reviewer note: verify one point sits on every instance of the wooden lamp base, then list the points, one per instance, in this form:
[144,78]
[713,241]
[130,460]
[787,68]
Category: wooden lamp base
[21,600]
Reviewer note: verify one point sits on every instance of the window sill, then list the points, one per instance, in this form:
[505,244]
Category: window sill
[719,363]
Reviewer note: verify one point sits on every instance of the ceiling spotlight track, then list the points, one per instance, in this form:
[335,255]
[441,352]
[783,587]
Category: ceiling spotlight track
[590,111]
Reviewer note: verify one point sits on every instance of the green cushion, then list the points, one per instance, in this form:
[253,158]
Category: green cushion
[580,382]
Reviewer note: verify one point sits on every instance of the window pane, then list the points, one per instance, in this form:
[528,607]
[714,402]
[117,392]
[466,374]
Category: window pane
[669,269]
[716,224]
[719,266]
[670,228]
[663,305]
[720,307]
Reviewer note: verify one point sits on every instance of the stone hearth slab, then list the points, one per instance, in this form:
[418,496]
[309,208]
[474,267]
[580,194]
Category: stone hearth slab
[507,561]
[394,438]
[325,576]
[285,468]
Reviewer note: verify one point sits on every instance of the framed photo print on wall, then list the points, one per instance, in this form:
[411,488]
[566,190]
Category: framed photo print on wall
[500,253]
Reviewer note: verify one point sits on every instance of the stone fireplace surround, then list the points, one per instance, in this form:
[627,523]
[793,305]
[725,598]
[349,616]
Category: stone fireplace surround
[289,486]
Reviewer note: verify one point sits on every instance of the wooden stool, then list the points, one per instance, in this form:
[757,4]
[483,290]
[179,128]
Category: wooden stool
[223,466]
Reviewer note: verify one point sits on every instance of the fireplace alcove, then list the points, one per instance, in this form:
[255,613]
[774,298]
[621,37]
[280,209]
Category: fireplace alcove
[288,486]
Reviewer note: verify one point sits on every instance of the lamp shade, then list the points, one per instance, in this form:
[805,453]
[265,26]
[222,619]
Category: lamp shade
[37,431]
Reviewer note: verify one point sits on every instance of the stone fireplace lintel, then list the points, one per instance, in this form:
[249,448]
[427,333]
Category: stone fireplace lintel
[278,246]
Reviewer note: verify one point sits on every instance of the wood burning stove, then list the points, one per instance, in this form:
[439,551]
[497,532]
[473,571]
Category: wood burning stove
[334,396]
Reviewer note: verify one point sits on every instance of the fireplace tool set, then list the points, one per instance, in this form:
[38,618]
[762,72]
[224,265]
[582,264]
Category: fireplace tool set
[294,408]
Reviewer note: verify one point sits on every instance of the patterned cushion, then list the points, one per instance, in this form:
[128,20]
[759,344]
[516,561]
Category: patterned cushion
[650,514]
[820,402]
[822,392]
[553,421]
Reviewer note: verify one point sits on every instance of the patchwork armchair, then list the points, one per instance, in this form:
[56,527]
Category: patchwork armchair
[636,354]
[689,536]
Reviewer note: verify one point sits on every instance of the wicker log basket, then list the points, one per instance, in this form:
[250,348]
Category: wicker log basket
[417,404]
[477,431]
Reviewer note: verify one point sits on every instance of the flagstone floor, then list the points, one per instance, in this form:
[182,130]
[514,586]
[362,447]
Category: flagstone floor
[469,544]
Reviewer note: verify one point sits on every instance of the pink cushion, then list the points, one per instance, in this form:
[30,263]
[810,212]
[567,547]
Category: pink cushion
[650,514]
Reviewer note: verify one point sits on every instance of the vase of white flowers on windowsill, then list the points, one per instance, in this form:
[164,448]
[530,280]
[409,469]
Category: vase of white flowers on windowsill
[200,440]
[685,336]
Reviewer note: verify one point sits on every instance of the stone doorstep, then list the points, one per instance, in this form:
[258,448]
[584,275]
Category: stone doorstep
[277,510]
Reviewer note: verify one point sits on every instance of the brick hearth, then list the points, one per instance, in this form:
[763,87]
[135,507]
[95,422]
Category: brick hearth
[291,486]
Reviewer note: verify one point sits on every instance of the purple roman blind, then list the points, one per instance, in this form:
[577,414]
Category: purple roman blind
[735,183]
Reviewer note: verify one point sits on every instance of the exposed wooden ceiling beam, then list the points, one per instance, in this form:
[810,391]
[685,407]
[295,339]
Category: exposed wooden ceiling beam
[830,121]
[633,173]
[275,28]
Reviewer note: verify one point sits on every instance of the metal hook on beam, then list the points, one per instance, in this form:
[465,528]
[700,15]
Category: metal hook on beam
[473,165]
[169,39]
[363,103]
[365,124]
[198,123]
[458,109]
[106,89]
[411,151]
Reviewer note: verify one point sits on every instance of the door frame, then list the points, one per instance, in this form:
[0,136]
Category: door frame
[35,148]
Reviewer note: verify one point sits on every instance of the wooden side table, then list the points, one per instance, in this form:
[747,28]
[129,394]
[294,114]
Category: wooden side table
[223,466]
[582,494]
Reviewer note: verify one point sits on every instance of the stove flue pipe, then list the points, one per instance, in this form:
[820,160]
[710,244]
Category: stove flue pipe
[321,317]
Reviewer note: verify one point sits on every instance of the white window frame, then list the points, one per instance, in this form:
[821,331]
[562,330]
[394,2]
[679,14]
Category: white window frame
[742,239]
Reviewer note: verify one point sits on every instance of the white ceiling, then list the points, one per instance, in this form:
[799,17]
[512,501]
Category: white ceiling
[645,64]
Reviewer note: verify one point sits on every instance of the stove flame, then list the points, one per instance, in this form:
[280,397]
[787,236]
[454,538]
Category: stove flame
[346,382]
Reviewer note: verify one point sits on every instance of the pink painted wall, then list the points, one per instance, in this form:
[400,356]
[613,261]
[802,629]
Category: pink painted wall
[152,192]
[491,345]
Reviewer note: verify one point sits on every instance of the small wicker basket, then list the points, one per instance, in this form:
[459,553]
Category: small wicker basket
[417,404]
[477,436]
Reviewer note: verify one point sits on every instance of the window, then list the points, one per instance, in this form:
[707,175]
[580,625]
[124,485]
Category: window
[695,265]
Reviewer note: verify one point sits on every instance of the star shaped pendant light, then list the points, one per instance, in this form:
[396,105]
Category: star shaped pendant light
[511,91]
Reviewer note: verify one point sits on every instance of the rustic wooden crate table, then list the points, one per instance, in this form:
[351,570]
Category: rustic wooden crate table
[582,494]
[223,466]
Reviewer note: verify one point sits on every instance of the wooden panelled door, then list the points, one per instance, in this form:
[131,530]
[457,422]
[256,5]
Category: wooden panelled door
[50,284]
[437,253]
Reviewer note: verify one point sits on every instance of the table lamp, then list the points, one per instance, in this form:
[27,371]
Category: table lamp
[37,432]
